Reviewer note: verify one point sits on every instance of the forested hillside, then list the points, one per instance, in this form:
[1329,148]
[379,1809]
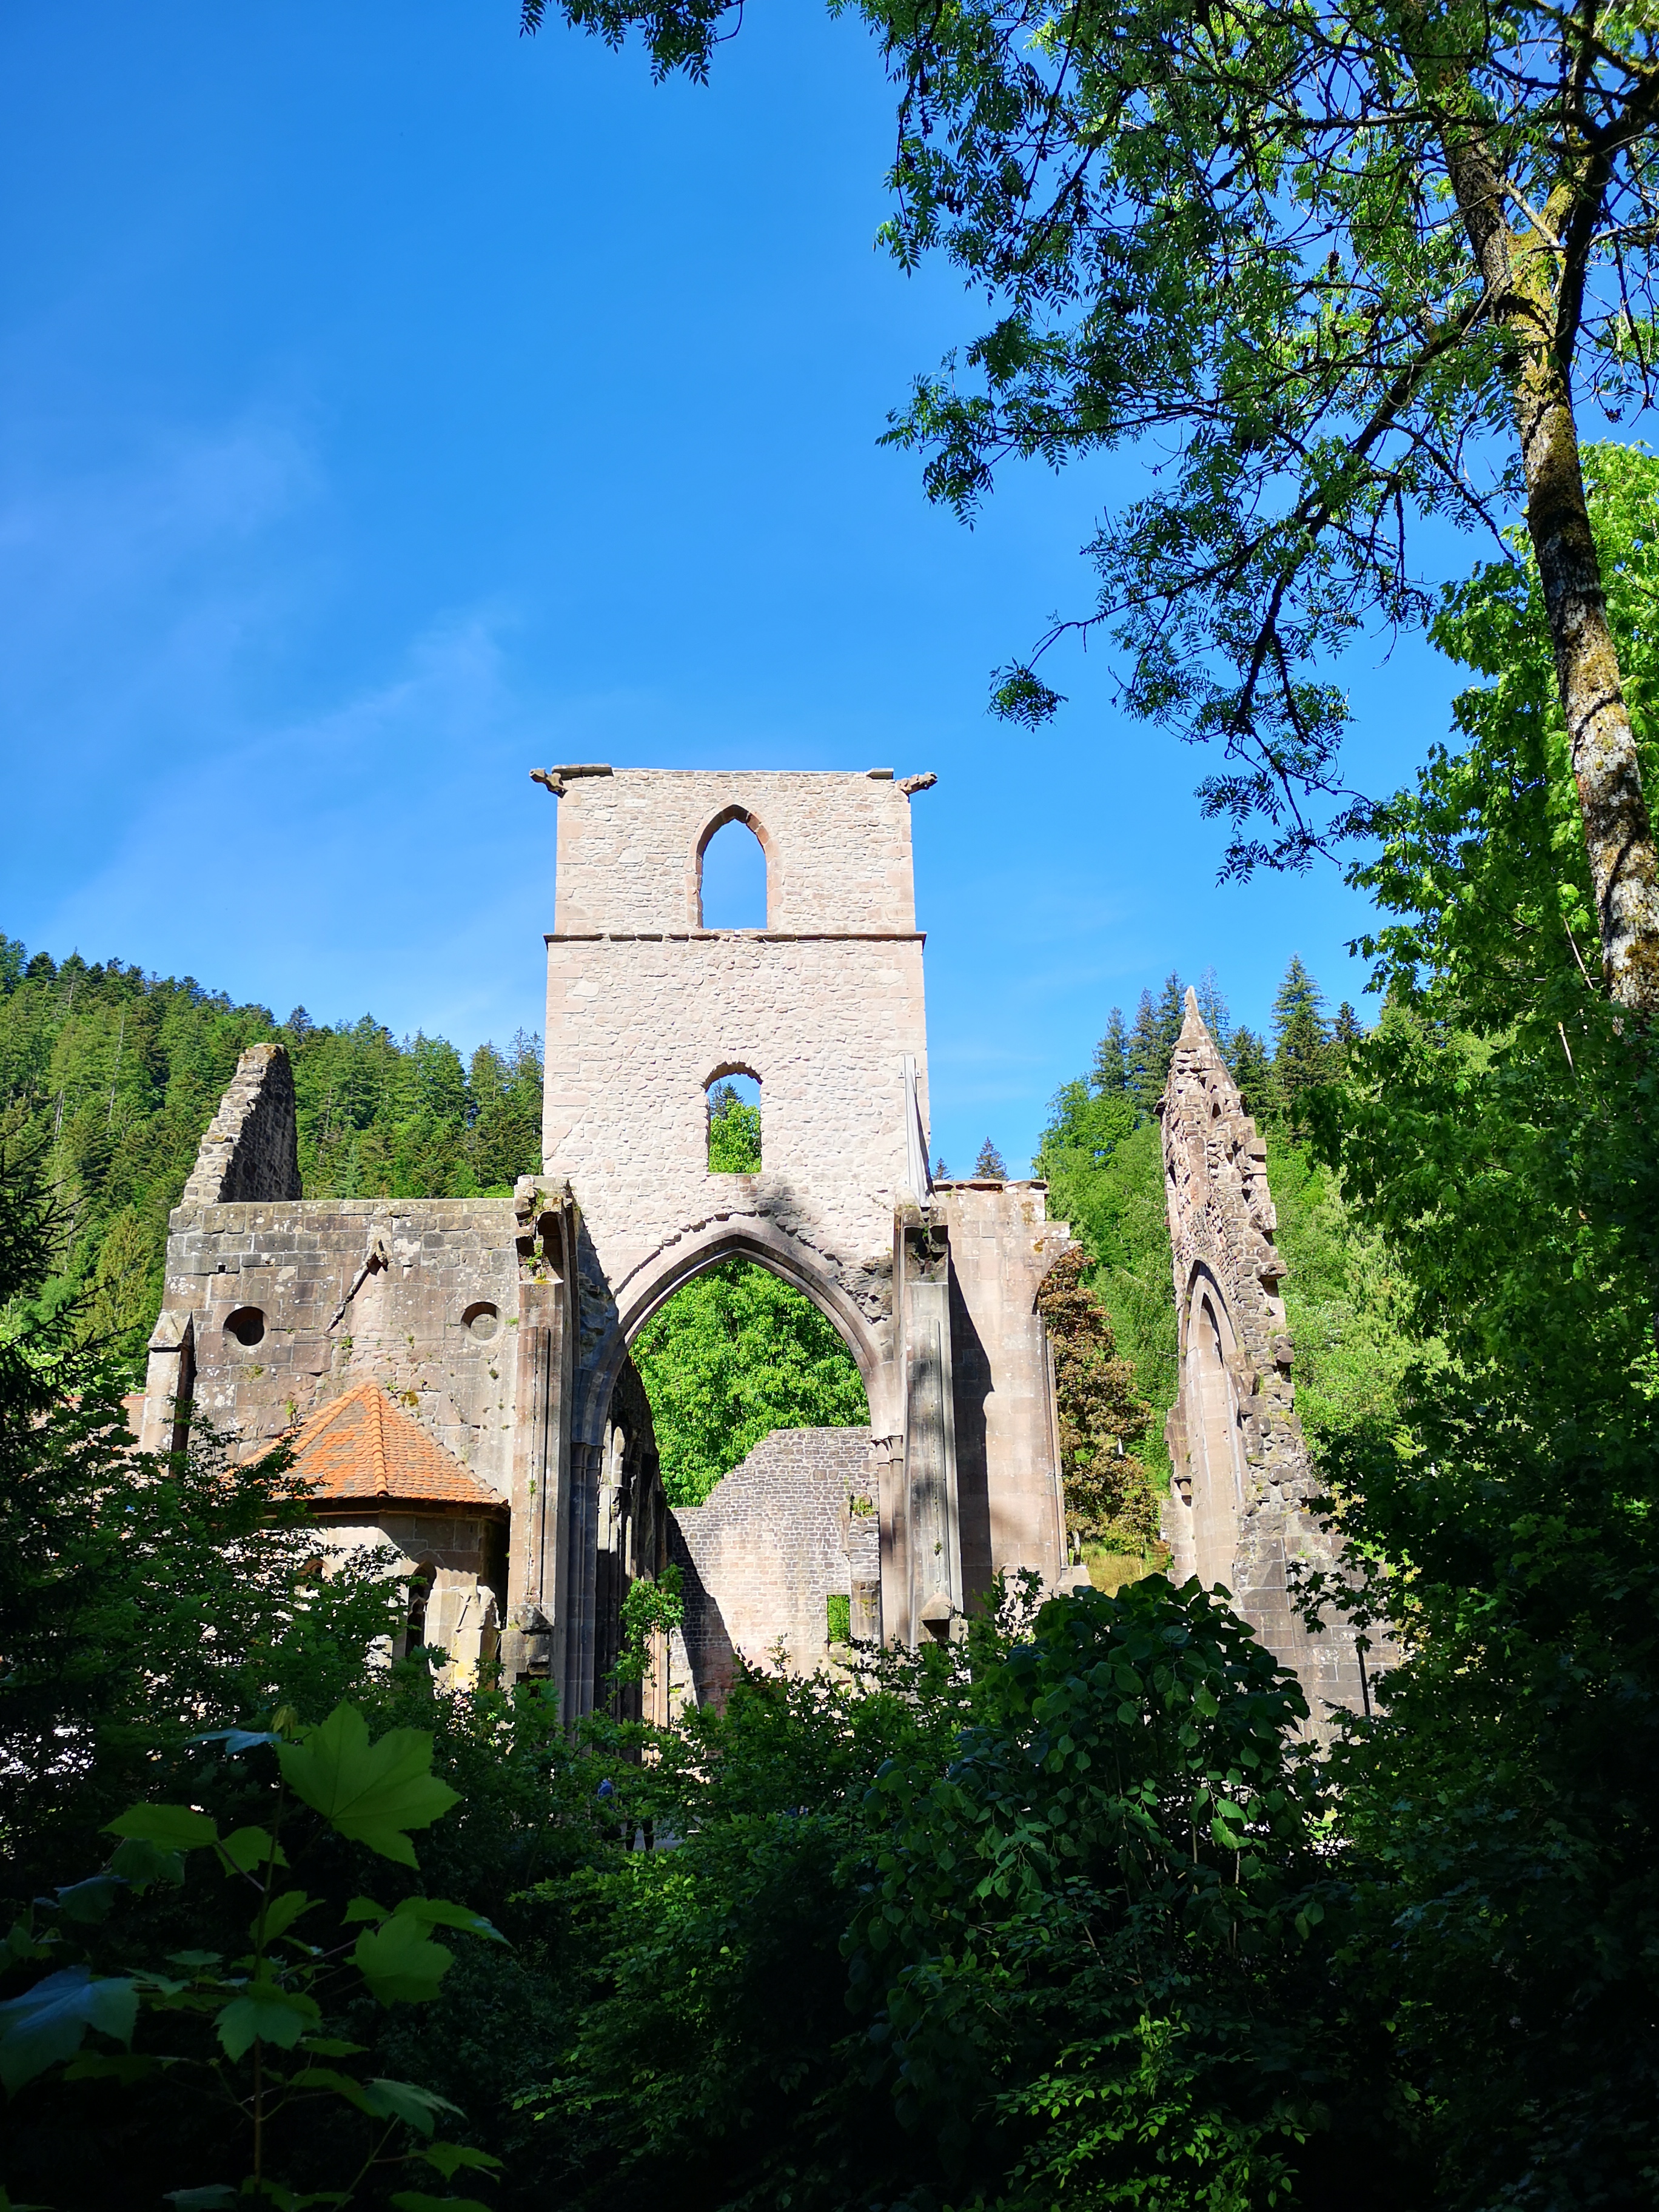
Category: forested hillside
[115,1075]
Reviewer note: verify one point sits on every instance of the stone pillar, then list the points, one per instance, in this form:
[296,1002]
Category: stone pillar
[1001,1245]
[581,1579]
[538,1626]
[933,1590]
[169,1379]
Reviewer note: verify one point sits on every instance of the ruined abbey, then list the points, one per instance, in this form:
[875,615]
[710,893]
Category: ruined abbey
[453,1374]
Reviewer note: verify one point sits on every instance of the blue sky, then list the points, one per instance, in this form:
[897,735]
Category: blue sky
[389,404]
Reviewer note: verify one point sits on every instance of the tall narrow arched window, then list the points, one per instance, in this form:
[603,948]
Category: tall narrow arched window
[420,1591]
[734,1123]
[1218,1492]
[731,887]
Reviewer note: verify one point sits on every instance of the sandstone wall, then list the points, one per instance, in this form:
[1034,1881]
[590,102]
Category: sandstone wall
[1012,1509]
[420,1296]
[1238,1513]
[638,1027]
[838,848]
[759,1561]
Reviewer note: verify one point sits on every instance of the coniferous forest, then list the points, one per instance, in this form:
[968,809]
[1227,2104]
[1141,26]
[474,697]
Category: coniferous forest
[110,1077]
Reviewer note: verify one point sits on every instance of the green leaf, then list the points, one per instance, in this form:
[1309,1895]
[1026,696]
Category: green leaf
[400,1962]
[91,1899]
[252,1847]
[439,1912]
[363,1908]
[407,2101]
[282,1913]
[448,2158]
[194,1958]
[213,2198]
[331,2046]
[370,1793]
[126,2066]
[173,1827]
[326,2077]
[265,2014]
[49,2021]
[237,1741]
[140,1862]
[22,1943]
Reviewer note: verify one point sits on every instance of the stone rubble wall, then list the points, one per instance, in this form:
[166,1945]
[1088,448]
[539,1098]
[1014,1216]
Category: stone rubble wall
[1241,1475]
[790,1526]
[252,1148]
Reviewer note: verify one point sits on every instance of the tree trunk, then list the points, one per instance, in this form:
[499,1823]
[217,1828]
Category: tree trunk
[1618,830]
[1521,275]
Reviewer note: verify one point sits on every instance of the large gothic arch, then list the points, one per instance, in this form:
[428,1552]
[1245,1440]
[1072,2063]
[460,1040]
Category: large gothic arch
[654,1285]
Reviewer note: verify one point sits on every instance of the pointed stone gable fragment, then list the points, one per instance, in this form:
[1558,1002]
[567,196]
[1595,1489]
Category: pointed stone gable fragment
[252,1148]
[1242,1478]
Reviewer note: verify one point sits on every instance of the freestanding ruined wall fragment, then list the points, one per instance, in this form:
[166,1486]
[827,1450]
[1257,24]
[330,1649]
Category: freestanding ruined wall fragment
[1242,1478]
[252,1148]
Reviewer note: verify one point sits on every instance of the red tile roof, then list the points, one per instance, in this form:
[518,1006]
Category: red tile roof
[360,1446]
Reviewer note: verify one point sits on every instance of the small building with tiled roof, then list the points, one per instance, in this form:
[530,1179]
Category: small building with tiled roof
[377,1478]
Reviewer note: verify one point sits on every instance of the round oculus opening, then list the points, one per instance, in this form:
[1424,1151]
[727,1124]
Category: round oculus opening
[246,1325]
[483,1320]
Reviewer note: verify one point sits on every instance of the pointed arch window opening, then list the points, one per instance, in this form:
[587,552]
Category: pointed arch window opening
[1219,1497]
[733,885]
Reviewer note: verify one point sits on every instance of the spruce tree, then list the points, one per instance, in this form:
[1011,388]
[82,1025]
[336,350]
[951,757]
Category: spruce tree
[1303,1054]
[1212,1008]
[1253,1071]
[1158,1025]
[1110,1073]
[990,1166]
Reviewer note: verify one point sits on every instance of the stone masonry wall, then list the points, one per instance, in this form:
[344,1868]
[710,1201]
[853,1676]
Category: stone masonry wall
[637,1029]
[251,1146]
[760,1560]
[350,1290]
[838,848]
[1002,1245]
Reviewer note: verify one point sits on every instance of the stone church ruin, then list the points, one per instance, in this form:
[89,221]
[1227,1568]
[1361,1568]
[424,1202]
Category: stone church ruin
[453,1375]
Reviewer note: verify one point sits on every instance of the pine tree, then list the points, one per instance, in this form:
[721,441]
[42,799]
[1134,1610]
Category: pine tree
[1302,1055]
[990,1166]
[1110,1073]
